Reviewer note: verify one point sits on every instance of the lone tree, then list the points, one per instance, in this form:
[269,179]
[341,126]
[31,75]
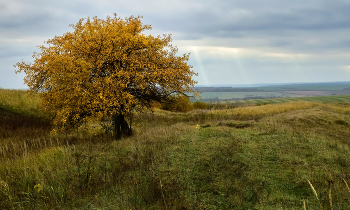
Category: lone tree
[106,68]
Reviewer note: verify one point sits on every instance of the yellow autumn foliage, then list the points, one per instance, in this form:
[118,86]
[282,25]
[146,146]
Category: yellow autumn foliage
[106,67]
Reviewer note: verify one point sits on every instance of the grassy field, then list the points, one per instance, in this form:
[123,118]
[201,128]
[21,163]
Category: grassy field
[330,99]
[285,155]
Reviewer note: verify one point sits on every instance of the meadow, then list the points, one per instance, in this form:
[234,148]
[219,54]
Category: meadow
[255,154]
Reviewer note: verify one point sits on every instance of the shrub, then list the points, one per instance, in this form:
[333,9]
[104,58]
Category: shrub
[200,105]
[178,104]
[156,104]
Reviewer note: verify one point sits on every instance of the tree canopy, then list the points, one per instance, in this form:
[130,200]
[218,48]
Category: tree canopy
[106,67]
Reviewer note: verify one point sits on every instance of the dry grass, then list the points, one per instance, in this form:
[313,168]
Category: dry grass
[315,193]
[339,108]
[258,157]
[257,112]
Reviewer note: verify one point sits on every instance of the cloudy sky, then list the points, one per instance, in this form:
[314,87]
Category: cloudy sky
[232,42]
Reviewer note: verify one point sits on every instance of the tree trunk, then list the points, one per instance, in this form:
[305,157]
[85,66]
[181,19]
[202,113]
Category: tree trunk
[121,126]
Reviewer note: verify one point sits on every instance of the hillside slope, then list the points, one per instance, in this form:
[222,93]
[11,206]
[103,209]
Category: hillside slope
[257,157]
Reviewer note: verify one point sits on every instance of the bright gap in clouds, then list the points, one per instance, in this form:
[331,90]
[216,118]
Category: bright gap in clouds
[200,65]
[234,51]
[229,66]
[296,71]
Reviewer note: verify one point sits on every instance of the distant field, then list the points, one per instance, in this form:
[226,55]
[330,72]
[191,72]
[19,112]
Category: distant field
[335,99]
[243,95]
[306,87]
[210,94]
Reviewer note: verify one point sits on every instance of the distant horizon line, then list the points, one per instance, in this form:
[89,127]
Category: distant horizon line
[245,85]
[272,84]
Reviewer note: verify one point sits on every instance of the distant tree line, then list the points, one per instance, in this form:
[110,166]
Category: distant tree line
[216,99]
[227,89]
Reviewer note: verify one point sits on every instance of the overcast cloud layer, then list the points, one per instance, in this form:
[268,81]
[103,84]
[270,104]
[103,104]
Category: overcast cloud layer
[232,42]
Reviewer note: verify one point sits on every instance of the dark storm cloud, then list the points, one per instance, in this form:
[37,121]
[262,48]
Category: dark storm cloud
[253,20]
[279,24]
[40,18]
